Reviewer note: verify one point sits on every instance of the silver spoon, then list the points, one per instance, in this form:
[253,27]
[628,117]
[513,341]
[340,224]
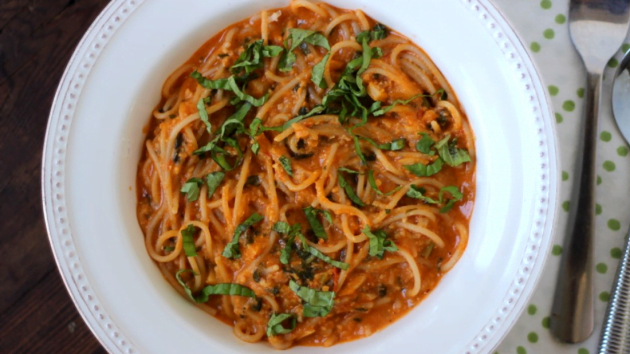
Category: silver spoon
[616,333]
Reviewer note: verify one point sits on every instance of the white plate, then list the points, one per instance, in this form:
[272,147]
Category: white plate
[95,135]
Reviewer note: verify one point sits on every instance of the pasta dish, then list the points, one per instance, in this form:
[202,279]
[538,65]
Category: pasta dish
[307,177]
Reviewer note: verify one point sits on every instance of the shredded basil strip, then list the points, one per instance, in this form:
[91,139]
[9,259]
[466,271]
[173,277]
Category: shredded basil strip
[350,171]
[372,182]
[275,327]
[427,250]
[455,193]
[424,144]
[229,84]
[191,188]
[292,231]
[317,75]
[394,145]
[316,110]
[286,164]
[213,180]
[188,241]
[317,303]
[447,204]
[299,36]
[203,114]
[379,243]
[316,226]
[379,31]
[315,252]
[452,155]
[349,191]
[422,170]
[250,58]
[231,250]
[386,109]
[216,289]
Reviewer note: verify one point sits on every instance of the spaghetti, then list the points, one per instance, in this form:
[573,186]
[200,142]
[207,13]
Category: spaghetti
[308,176]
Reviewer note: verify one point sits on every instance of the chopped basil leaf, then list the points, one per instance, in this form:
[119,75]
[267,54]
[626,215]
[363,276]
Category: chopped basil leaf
[317,303]
[250,59]
[286,164]
[216,289]
[455,193]
[427,250]
[418,193]
[379,243]
[384,110]
[452,155]
[235,121]
[422,170]
[188,241]
[350,171]
[168,248]
[394,145]
[292,231]
[299,36]
[229,84]
[424,144]
[349,191]
[316,226]
[316,110]
[281,227]
[231,250]
[275,327]
[325,258]
[442,94]
[203,114]
[317,75]
[191,188]
[213,180]
[372,182]
[357,149]
[447,204]
[379,31]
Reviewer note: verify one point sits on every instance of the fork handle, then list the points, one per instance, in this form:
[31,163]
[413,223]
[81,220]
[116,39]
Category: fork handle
[572,317]
[616,334]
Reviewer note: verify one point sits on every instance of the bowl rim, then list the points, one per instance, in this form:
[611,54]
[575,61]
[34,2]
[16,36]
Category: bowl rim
[114,15]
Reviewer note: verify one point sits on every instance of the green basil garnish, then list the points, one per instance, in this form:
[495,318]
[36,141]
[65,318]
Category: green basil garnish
[250,59]
[188,241]
[315,252]
[216,289]
[203,113]
[372,183]
[299,36]
[379,243]
[213,180]
[452,155]
[275,327]
[232,250]
[317,303]
[316,226]
[191,189]
[317,75]
[349,191]
[286,164]
[447,204]
[292,231]
[424,144]
[422,170]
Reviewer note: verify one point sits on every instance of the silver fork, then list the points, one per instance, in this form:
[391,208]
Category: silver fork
[598,28]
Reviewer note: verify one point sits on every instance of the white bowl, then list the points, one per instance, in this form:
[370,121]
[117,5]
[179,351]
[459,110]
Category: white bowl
[94,141]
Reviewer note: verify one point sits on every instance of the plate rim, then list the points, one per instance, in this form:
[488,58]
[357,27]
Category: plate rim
[94,41]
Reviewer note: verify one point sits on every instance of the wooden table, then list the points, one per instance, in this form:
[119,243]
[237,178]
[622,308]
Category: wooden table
[37,38]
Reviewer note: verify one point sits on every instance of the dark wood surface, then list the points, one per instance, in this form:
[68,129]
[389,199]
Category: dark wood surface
[37,38]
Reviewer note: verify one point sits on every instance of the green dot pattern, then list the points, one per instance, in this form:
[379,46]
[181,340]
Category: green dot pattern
[598,209]
[583,351]
[568,105]
[616,253]
[580,92]
[553,90]
[601,268]
[599,180]
[560,19]
[625,47]
[609,166]
[565,175]
[556,250]
[613,63]
[521,350]
[531,309]
[566,205]
[545,4]
[622,151]
[605,136]
[535,47]
[532,337]
[546,322]
[604,296]
[549,34]
[614,224]
[559,118]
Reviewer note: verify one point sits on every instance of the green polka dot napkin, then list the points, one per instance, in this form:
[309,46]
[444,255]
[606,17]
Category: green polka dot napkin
[543,26]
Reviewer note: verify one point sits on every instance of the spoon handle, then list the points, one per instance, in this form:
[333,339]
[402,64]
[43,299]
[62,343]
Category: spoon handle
[572,317]
[616,334]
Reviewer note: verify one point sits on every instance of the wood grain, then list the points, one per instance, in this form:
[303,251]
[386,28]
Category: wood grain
[37,38]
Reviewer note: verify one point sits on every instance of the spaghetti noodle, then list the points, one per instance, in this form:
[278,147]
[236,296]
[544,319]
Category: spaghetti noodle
[308,176]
